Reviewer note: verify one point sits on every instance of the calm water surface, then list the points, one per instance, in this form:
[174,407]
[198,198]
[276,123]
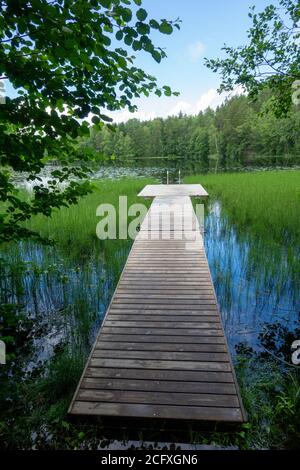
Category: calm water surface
[256,282]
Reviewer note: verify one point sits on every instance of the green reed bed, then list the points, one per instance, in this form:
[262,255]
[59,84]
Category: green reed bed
[74,228]
[268,203]
[264,208]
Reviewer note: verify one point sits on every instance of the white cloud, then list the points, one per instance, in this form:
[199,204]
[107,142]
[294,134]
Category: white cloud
[125,115]
[181,106]
[195,50]
[209,99]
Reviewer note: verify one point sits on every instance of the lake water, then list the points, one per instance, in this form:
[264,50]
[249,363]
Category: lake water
[161,173]
[255,283]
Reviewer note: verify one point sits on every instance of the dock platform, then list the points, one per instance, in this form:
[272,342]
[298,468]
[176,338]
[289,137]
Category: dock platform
[161,351]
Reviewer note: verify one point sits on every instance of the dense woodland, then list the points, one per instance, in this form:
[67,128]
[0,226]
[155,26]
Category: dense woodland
[239,133]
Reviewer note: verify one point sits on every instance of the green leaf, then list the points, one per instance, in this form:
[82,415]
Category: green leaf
[138,2]
[126,14]
[156,56]
[136,46]
[154,24]
[119,35]
[166,28]
[143,28]
[128,40]
[106,40]
[105,118]
[168,91]
[95,120]
[105,3]
[141,14]
[122,62]
[22,26]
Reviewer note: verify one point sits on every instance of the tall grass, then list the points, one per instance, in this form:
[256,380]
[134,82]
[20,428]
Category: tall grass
[74,228]
[268,203]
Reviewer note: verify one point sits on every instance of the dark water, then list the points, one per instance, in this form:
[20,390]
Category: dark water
[60,301]
[169,172]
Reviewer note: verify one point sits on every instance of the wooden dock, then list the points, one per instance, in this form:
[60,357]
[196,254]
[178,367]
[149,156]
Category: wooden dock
[161,351]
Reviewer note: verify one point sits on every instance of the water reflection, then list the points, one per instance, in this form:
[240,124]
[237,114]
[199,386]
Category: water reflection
[256,282]
[63,301]
[104,172]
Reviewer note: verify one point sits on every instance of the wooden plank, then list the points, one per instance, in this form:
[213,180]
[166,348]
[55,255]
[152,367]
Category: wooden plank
[195,282]
[161,302]
[156,374]
[175,271]
[158,338]
[159,190]
[158,386]
[166,312]
[159,364]
[163,355]
[190,413]
[160,398]
[151,289]
[161,295]
[139,261]
[138,346]
[189,309]
[155,324]
[161,331]
[162,318]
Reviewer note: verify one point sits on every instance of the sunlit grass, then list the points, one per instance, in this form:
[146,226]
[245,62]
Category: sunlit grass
[267,203]
[74,228]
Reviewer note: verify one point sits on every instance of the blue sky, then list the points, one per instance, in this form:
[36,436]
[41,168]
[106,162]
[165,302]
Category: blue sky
[206,26]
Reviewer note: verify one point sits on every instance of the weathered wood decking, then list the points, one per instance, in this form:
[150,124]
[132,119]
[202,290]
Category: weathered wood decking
[161,351]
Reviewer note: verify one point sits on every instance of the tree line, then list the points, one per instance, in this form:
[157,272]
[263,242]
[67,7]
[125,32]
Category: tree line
[239,132]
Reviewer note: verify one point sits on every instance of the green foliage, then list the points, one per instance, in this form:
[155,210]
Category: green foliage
[59,58]
[199,146]
[237,134]
[271,59]
[271,396]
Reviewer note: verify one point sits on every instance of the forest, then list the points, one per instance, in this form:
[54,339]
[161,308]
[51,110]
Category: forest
[239,133]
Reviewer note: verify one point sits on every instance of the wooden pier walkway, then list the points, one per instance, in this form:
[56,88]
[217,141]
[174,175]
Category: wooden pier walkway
[161,351]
